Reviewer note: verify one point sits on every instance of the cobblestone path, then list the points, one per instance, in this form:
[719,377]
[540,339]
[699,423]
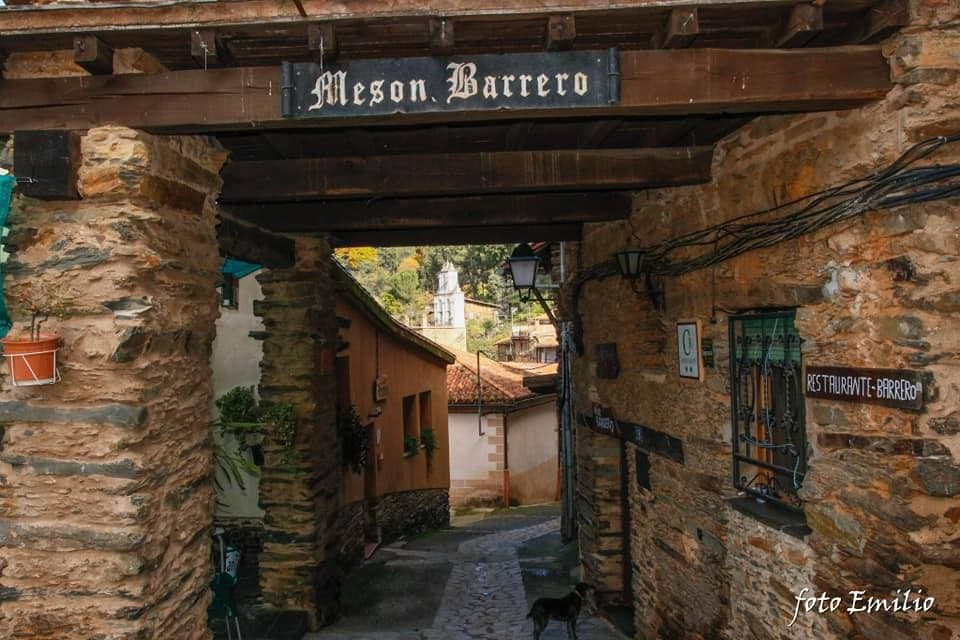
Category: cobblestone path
[484,597]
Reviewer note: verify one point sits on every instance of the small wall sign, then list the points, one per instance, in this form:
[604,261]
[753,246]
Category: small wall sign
[897,388]
[706,350]
[688,348]
[608,364]
[604,421]
[380,389]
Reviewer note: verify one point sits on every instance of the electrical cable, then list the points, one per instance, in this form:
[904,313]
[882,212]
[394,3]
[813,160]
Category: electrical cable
[898,184]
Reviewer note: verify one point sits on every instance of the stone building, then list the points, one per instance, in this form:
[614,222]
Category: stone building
[715,482]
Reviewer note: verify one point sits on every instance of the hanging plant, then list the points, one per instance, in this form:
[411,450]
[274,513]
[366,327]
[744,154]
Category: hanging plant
[411,446]
[429,441]
[353,438]
[248,422]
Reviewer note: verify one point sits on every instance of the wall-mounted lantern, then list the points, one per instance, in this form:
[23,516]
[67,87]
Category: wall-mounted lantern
[630,262]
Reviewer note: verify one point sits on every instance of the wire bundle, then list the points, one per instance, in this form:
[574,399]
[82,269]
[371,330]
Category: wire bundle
[899,184]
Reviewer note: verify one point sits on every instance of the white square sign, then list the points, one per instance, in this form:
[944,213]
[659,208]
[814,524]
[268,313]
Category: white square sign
[688,348]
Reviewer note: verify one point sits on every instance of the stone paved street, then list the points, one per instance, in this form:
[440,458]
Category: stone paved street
[484,597]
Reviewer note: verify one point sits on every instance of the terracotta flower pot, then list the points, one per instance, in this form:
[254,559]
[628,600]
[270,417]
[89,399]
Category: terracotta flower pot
[32,362]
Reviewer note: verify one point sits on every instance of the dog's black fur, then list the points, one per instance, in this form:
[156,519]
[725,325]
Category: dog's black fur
[565,609]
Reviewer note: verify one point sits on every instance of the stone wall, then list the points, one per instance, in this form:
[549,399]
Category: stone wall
[300,493]
[878,291]
[105,494]
[408,512]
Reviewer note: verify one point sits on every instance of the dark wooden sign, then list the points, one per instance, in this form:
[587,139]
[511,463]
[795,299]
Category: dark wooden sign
[608,364]
[604,421]
[571,79]
[898,388]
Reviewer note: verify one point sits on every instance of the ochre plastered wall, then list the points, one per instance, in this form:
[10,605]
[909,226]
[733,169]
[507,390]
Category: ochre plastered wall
[883,506]
[408,371]
[105,498]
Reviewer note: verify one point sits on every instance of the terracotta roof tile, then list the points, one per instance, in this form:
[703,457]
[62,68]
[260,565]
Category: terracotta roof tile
[501,385]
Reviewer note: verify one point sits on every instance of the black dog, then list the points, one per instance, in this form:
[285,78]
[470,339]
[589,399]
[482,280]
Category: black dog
[564,609]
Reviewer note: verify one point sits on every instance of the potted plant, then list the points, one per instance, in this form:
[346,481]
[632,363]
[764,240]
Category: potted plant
[33,356]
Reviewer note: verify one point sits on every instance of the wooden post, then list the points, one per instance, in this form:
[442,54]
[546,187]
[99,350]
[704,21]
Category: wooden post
[561,32]
[322,42]
[93,54]
[46,164]
[441,34]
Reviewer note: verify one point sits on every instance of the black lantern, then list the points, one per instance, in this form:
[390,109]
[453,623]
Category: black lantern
[630,263]
[523,270]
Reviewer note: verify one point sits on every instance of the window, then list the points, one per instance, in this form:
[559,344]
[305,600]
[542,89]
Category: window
[769,433]
[410,416]
[229,291]
[426,412]
[343,382]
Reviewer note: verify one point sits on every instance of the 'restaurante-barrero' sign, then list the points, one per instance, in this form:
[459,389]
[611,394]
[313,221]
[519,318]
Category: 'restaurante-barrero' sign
[475,83]
[898,388]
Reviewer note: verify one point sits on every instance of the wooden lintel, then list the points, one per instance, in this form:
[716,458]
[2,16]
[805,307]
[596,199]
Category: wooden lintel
[208,49]
[322,42]
[46,164]
[456,235]
[658,82]
[93,54]
[462,173]
[682,28]
[422,213]
[561,32]
[252,244]
[805,23]
[441,34]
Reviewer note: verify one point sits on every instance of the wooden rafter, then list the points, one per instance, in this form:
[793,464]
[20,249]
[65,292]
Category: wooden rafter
[414,213]
[666,82]
[456,235]
[462,173]
[682,28]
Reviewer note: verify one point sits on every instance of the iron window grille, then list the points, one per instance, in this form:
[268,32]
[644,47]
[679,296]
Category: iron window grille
[769,432]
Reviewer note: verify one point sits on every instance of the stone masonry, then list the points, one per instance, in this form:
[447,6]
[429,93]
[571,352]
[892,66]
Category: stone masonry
[878,291]
[105,494]
[298,566]
[405,513]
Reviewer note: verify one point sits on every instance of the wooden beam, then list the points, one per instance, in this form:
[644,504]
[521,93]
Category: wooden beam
[805,23]
[462,173]
[322,42]
[592,135]
[668,82]
[883,18]
[208,49]
[441,34]
[420,213]
[682,28]
[88,17]
[251,244]
[561,32]
[456,235]
[46,164]
[93,54]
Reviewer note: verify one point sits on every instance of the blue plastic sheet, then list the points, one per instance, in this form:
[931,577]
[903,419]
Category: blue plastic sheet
[6,195]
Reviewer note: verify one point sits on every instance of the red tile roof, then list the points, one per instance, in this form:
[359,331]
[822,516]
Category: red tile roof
[501,385]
